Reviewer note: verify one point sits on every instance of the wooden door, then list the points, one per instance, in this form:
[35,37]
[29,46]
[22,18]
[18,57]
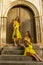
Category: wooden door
[27,22]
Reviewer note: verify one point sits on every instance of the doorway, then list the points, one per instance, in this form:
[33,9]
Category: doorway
[27,20]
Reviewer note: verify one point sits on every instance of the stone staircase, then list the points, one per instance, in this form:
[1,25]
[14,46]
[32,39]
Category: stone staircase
[14,56]
[17,60]
[20,63]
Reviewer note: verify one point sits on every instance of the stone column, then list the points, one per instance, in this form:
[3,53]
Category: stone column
[41,29]
[0,29]
[3,29]
[38,29]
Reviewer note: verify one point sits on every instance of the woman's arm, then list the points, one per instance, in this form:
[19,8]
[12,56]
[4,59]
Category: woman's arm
[28,40]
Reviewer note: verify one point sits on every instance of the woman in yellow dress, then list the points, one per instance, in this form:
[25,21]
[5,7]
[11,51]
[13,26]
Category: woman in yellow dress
[29,48]
[16,32]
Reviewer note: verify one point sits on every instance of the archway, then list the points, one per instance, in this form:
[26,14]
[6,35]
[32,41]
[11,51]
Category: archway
[33,12]
[27,20]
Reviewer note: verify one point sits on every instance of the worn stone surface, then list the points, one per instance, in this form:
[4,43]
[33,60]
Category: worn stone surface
[20,63]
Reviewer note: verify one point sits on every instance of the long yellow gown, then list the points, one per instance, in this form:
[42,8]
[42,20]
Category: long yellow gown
[29,49]
[16,31]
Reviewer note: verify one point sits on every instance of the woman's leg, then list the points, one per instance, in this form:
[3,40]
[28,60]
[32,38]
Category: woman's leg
[15,42]
[38,57]
[35,57]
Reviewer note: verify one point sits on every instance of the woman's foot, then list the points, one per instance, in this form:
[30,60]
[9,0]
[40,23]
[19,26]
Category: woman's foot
[41,60]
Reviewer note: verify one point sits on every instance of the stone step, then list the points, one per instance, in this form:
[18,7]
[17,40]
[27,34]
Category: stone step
[9,50]
[12,50]
[16,58]
[20,63]
[15,52]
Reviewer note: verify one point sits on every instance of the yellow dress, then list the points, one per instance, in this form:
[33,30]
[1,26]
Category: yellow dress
[16,31]
[29,49]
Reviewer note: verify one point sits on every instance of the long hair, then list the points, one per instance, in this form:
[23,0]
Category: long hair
[17,18]
[29,36]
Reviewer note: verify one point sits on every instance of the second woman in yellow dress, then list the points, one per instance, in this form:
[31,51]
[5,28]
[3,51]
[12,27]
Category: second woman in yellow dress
[29,48]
